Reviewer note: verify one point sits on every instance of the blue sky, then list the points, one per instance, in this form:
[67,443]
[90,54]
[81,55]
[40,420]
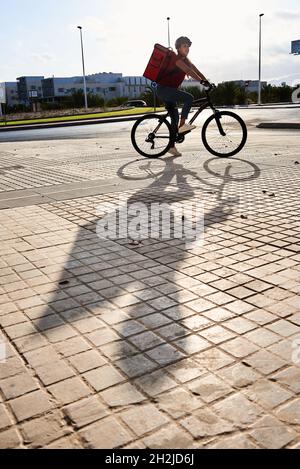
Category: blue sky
[40,37]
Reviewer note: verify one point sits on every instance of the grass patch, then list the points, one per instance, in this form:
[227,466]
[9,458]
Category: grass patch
[47,120]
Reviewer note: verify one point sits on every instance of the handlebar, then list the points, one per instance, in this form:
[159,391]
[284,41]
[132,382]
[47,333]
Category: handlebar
[209,86]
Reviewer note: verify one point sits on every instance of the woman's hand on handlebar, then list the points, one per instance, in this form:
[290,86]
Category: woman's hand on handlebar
[207,85]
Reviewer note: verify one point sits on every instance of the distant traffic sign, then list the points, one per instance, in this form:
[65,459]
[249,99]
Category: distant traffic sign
[296,47]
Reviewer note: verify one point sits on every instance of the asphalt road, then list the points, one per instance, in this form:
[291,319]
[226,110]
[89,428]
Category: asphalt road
[252,117]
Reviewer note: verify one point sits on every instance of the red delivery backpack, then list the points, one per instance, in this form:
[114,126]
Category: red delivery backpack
[159,63]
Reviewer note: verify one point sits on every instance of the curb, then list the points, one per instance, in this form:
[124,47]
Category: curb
[95,120]
[279,125]
[268,106]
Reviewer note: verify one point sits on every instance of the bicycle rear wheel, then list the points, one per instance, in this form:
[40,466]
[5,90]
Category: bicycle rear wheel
[151,136]
[224,134]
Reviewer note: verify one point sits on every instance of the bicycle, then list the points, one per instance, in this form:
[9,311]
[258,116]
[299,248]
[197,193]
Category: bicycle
[224,134]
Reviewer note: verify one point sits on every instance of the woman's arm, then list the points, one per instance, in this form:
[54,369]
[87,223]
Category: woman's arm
[194,68]
[190,70]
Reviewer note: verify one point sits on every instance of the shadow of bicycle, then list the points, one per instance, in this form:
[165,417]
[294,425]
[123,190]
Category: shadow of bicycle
[145,296]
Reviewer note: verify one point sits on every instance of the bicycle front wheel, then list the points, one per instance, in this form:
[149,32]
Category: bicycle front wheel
[224,134]
[151,136]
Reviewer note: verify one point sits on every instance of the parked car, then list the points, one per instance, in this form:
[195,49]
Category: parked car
[135,103]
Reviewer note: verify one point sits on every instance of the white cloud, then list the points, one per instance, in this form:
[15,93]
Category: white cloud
[286,15]
[42,57]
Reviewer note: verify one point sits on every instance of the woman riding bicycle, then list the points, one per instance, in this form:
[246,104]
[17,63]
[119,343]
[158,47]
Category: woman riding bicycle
[167,87]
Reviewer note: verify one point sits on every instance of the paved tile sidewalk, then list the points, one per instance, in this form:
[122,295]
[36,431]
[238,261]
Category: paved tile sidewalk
[112,345]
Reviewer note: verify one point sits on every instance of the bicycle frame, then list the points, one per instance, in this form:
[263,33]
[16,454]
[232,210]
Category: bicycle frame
[206,102]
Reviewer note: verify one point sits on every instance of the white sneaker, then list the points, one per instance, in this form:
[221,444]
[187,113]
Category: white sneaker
[174,152]
[186,128]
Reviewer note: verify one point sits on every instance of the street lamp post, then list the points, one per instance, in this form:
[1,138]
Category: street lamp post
[169,41]
[259,80]
[83,67]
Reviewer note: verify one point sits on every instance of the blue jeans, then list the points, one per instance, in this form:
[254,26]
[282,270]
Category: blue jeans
[171,96]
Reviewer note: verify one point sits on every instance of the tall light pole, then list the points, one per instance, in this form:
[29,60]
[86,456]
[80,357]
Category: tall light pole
[83,67]
[169,41]
[259,80]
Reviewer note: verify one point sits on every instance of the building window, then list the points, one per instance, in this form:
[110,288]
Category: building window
[112,89]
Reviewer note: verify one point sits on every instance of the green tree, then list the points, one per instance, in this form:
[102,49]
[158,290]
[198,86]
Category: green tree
[285,93]
[269,94]
[195,91]
[253,97]
[241,95]
[148,97]
[115,102]
[76,99]
[94,100]
[225,94]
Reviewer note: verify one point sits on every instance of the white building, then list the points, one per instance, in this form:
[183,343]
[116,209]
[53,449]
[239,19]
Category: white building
[29,87]
[106,85]
[134,86]
[11,92]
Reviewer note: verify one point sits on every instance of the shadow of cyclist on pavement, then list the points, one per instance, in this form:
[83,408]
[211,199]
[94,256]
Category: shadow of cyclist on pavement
[144,294]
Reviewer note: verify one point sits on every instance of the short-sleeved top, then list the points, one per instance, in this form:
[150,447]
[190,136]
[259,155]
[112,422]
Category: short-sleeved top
[174,76]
